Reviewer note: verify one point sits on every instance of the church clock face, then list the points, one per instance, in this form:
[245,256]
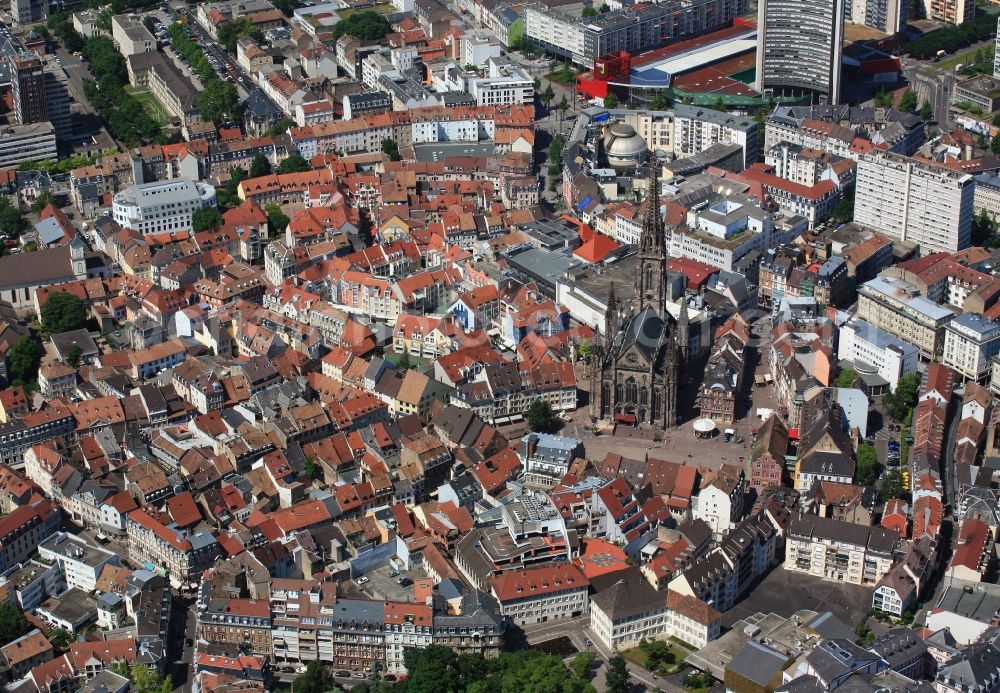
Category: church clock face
[632,358]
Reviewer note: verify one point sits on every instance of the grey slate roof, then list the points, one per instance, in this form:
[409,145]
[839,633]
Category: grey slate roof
[629,594]
[758,663]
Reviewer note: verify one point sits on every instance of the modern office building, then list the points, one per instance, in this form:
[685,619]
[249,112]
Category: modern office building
[888,16]
[35,142]
[27,77]
[915,201]
[504,83]
[80,560]
[996,53]
[161,207]
[634,29]
[981,91]
[970,342]
[29,11]
[57,103]
[987,198]
[897,307]
[875,351]
[800,46]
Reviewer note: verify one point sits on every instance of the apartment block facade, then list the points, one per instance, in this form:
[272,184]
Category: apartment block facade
[915,201]
[838,550]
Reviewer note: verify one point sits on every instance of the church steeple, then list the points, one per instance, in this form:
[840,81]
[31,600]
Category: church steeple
[682,329]
[652,239]
[649,283]
[611,316]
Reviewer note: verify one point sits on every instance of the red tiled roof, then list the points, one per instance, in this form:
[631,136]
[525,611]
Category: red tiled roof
[692,607]
[972,541]
[542,580]
[183,510]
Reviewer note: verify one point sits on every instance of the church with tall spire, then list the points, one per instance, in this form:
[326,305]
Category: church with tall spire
[634,367]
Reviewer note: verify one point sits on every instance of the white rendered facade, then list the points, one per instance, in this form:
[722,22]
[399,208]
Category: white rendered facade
[80,561]
[970,342]
[161,207]
[892,358]
[505,83]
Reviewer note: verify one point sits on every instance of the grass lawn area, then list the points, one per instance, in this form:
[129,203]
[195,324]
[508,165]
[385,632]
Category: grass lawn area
[394,358]
[948,63]
[637,656]
[151,106]
[567,77]
[384,8]
[683,645]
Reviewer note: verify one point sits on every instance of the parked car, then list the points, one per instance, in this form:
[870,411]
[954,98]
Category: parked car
[342,674]
[393,573]
[361,580]
[404,582]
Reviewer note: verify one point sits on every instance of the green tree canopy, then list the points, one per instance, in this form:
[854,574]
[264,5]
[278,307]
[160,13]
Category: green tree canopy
[617,679]
[846,377]
[280,126]
[893,486]
[984,230]
[540,416]
[227,196]
[403,363]
[218,100]
[316,679]
[908,103]
[438,669]
[74,355]
[953,38]
[206,218]
[902,400]
[277,219]
[927,112]
[431,669]
[589,11]
[390,147]
[63,312]
[232,31]
[42,201]
[866,472]
[582,663]
[23,360]
[294,164]
[610,100]
[60,638]
[13,624]
[883,98]
[260,166]
[367,26]
[843,211]
[11,220]
[548,95]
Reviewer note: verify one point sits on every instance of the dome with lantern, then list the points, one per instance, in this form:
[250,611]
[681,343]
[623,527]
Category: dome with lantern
[623,146]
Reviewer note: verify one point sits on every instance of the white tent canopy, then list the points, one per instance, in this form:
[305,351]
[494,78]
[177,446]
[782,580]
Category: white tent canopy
[704,426]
